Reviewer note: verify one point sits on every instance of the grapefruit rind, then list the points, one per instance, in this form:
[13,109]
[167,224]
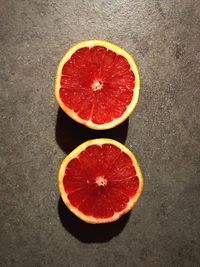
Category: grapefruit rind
[74,154]
[118,51]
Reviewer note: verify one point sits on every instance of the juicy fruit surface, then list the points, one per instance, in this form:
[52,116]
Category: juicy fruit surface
[100,181]
[97,84]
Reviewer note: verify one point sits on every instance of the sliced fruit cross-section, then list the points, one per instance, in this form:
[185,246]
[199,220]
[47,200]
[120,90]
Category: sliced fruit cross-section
[97,84]
[100,181]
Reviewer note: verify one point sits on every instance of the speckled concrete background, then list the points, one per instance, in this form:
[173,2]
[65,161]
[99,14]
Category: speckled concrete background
[164,133]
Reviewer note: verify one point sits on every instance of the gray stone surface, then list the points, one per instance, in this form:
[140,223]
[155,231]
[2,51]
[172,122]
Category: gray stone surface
[163,132]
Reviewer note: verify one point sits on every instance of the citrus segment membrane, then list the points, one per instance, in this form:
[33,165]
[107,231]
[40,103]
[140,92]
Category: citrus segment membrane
[97,84]
[100,181]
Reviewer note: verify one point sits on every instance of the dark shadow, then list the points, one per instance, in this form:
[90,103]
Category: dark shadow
[89,233]
[70,134]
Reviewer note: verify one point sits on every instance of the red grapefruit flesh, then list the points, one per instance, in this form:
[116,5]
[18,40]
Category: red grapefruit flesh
[100,181]
[97,84]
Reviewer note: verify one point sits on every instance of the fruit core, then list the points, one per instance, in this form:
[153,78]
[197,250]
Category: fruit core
[101,181]
[97,85]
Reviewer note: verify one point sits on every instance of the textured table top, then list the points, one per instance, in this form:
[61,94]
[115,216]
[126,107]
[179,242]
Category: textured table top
[163,132]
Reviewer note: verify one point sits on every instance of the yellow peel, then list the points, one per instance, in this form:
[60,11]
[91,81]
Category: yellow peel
[118,51]
[74,154]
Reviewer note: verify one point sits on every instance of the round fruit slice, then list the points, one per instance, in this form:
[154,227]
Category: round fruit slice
[97,84]
[100,181]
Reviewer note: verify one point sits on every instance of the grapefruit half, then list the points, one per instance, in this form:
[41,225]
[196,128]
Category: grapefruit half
[100,181]
[97,84]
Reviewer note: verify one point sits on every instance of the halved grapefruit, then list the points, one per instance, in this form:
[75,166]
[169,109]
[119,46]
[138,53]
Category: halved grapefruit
[100,181]
[97,84]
